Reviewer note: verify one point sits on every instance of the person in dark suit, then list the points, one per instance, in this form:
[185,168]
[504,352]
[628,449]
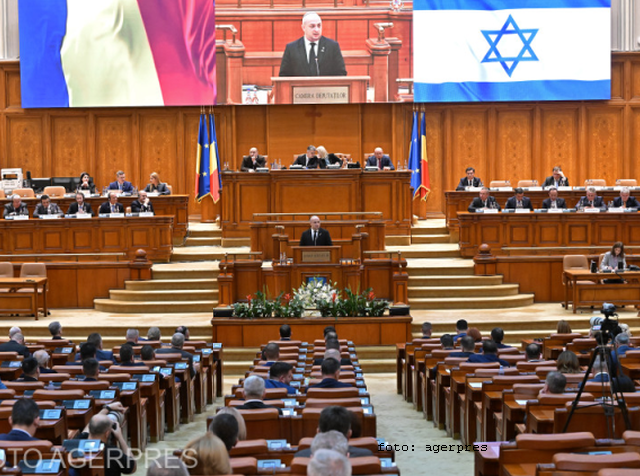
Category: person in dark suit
[462,327]
[625,200]
[156,186]
[252,161]
[16,207]
[330,375]
[280,376]
[95,339]
[333,354]
[470,180]
[468,345]
[315,236]
[46,207]
[86,183]
[121,184]
[497,336]
[483,201]
[310,160]
[285,332]
[554,384]
[336,419]
[16,344]
[177,342]
[553,201]
[519,200]
[329,159]
[378,159]
[557,179]
[313,54]
[80,206]
[42,357]
[127,357]
[30,370]
[591,200]
[254,393]
[489,354]
[142,204]
[24,421]
[112,206]
[90,370]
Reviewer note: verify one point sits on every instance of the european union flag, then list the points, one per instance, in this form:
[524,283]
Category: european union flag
[414,156]
[203,162]
[216,178]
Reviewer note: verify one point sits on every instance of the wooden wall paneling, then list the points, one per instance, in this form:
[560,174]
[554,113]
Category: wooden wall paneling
[158,147]
[12,94]
[188,161]
[435,148]
[69,145]
[251,131]
[469,144]
[634,142]
[514,141]
[605,142]
[376,124]
[559,136]
[258,36]
[114,147]
[619,80]
[64,288]
[25,147]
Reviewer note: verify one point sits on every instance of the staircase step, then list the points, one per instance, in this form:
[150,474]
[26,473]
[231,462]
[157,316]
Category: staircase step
[113,305]
[204,241]
[415,281]
[169,295]
[203,253]
[428,253]
[494,302]
[377,366]
[461,291]
[422,239]
[458,268]
[196,232]
[179,274]
[429,230]
[171,284]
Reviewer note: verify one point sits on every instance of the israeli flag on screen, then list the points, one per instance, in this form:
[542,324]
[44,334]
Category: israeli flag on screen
[511,50]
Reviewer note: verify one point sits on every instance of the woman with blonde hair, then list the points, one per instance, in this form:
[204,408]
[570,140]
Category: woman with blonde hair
[156,186]
[330,159]
[206,455]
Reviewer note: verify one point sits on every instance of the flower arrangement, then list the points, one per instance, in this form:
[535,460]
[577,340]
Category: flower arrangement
[260,306]
[314,292]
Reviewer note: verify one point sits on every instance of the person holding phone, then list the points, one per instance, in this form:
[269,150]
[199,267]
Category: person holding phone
[614,258]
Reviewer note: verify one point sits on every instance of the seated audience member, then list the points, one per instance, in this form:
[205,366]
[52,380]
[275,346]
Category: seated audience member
[177,343]
[154,334]
[254,393]
[483,201]
[475,333]
[142,204]
[30,370]
[332,350]
[206,455]
[310,160]
[15,207]
[519,200]
[329,158]
[252,161]
[625,200]
[624,328]
[55,329]
[331,335]
[87,351]
[156,186]
[380,160]
[184,331]
[285,332]
[489,354]
[600,371]
[330,440]
[242,427]
[336,418]
[280,376]
[328,463]
[612,258]
[563,327]
[80,206]
[592,200]
[470,180]
[118,457]
[461,330]
[270,354]
[42,356]
[16,344]
[167,466]
[13,331]
[127,357]
[497,336]
[90,370]
[147,353]
[555,383]
[426,330]
[568,363]
[553,201]
[328,329]
[121,184]
[446,341]
[111,206]
[133,336]
[468,346]
[556,179]
[330,375]
[24,421]
[225,427]
[46,207]
[95,339]
[86,183]
[622,384]
[623,344]
[533,353]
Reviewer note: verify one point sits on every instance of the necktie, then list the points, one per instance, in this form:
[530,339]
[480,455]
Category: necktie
[315,237]
[590,203]
[379,164]
[519,205]
[113,208]
[485,204]
[313,61]
[470,182]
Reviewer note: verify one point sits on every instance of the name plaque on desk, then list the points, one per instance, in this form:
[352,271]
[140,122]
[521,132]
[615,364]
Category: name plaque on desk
[320,95]
[316,256]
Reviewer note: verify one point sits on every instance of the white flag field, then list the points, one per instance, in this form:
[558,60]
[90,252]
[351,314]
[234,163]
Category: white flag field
[511,50]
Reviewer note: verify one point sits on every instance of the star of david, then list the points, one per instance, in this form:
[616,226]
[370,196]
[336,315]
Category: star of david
[509,63]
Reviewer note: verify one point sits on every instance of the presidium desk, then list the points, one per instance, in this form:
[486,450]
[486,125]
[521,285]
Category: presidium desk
[315,192]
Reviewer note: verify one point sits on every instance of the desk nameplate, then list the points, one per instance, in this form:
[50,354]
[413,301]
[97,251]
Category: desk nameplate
[321,95]
[316,256]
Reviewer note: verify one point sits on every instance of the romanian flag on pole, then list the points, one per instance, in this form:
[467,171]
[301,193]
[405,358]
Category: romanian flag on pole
[216,178]
[425,180]
[203,162]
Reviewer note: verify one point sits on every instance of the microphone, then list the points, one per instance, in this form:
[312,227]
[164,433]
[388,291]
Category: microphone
[317,67]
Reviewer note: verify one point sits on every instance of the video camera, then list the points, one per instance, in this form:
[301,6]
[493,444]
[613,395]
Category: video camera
[609,327]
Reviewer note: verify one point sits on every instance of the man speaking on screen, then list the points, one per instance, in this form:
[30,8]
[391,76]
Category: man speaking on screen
[313,54]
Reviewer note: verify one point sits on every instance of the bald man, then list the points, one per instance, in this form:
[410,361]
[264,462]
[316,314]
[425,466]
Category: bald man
[252,161]
[315,236]
[380,160]
[313,54]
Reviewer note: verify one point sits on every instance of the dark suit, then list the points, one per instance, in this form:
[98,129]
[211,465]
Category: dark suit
[137,207]
[126,186]
[331,383]
[106,208]
[44,370]
[598,202]
[90,187]
[466,355]
[183,353]
[21,210]
[73,208]
[323,238]
[13,346]
[52,209]
[560,203]
[487,358]
[257,405]
[354,452]
[247,163]
[385,161]
[513,201]
[313,163]
[162,189]
[100,355]
[343,361]
[17,435]
[464,183]
[551,182]
[295,60]
[631,202]
[26,378]
[478,203]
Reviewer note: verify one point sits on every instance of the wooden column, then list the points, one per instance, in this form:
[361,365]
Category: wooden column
[394,67]
[485,262]
[141,267]
[400,282]
[379,72]
[234,51]
[226,290]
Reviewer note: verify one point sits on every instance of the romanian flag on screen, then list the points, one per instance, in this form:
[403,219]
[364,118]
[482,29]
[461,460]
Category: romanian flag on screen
[97,53]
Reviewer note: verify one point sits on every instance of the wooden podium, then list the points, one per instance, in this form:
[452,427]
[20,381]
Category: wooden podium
[320,89]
